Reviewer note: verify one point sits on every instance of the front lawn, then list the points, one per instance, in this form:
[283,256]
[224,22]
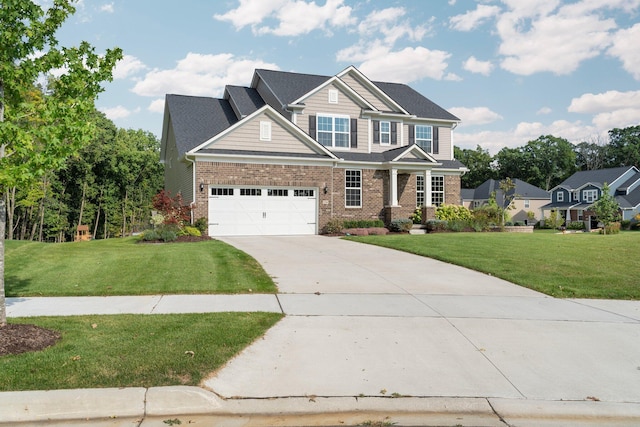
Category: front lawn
[126,267]
[577,265]
[132,350]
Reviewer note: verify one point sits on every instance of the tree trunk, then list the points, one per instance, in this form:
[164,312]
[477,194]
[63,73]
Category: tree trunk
[95,227]
[124,214]
[84,192]
[44,197]
[11,208]
[3,306]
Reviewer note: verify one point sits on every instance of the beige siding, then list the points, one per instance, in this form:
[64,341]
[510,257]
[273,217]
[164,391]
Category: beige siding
[367,94]
[247,137]
[444,144]
[177,174]
[319,104]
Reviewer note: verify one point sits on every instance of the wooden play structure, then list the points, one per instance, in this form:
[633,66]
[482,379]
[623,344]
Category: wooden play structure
[82,233]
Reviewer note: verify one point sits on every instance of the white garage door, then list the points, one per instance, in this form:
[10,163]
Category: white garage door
[241,211]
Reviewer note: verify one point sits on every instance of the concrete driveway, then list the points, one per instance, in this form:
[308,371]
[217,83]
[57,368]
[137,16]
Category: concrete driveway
[368,321]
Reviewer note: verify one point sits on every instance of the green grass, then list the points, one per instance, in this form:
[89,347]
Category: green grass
[132,350]
[126,267]
[577,265]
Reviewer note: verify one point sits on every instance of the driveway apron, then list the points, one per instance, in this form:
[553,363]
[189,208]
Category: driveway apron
[369,321]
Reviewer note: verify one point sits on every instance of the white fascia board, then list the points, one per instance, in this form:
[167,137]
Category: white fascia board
[260,159]
[369,85]
[595,184]
[427,120]
[418,150]
[342,86]
[381,115]
[274,115]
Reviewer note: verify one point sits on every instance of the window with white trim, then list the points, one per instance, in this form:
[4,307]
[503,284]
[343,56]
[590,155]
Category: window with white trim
[575,196]
[333,131]
[437,190]
[420,200]
[560,196]
[424,137]
[353,188]
[265,131]
[589,196]
[527,204]
[385,133]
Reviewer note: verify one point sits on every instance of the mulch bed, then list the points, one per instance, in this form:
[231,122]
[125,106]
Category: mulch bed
[21,338]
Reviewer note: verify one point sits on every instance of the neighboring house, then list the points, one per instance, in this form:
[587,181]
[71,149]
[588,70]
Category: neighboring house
[574,196]
[528,198]
[294,151]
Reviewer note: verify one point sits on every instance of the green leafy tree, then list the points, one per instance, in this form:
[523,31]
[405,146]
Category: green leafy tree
[479,163]
[40,129]
[624,147]
[606,208]
[507,186]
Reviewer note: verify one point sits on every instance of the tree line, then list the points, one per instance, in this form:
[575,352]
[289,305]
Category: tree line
[548,160]
[108,185]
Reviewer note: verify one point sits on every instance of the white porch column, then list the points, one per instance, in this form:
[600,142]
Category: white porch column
[393,187]
[427,188]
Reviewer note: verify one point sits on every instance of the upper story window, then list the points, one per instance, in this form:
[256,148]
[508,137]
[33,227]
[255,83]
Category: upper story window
[333,131]
[385,133]
[424,137]
[589,196]
[560,196]
[527,204]
[575,196]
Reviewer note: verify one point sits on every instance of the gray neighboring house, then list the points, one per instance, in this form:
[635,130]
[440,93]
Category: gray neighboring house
[529,198]
[293,151]
[575,195]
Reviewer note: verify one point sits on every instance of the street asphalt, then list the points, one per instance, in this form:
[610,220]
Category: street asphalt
[373,335]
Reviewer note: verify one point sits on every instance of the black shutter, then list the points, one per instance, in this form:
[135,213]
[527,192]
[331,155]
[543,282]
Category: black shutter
[412,134]
[312,127]
[354,133]
[376,131]
[394,133]
[436,142]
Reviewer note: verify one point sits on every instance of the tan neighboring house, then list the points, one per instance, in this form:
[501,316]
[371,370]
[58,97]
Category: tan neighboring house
[293,151]
[529,198]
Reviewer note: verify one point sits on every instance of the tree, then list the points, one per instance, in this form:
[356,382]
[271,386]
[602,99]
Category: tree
[40,129]
[606,208]
[591,155]
[479,163]
[551,159]
[624,147]
[507,186]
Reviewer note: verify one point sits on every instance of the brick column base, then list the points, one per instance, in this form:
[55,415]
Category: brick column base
[428,212]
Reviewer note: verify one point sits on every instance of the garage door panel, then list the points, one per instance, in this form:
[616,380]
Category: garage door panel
[264,211]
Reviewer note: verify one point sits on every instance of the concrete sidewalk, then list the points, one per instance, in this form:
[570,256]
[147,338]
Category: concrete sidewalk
[372,333]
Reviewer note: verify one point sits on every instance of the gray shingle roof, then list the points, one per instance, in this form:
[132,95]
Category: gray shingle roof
[287,86]
[246,100]
[414,102]
[195,119]
[523,189]
[599,176]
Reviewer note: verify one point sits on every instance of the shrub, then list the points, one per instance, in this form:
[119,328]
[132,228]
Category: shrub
[334,226]
[613,228]
[519,224]
[576,225]
[172,208]
[416,216]
[191,231]
[508,224]
[435,225]
[401,225]
[363,223]
[201,224]
[150,235]
[457,225]
[168,235]
[625,224]
[453,212]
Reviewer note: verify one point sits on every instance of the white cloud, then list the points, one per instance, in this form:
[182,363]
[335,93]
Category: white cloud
[626,47]
[407,65]
[128,66]
[108,8]
[118,112]
[157,106]
[474,18]
[390,23]
[544,110]
[198,74]
[476,66]
[603,102]
[295,17]
[475,116]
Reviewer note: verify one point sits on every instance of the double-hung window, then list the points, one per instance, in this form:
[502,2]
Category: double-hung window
[385,133]
[437,190]
[333,131]
[353,188]
[424,137]
[589,196]
[420,191]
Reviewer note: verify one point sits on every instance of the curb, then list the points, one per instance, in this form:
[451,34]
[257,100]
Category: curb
[160,406]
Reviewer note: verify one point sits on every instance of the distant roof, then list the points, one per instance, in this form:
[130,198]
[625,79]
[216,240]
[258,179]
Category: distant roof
[599,176]
[523,189]
[195,119]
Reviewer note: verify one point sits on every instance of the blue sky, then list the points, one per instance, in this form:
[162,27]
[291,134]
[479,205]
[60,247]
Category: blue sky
[512,70]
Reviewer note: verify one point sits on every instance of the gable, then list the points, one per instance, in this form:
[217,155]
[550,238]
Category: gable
[376,98]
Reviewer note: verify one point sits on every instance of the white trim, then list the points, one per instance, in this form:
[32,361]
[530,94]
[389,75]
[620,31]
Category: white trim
[334,132]
[359,206]
[333,96]
[265,130]
[341,85]
[388,133]
[368,84]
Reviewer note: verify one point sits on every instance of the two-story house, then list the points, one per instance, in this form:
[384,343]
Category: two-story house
[526,200]
[575,195]
[293,151]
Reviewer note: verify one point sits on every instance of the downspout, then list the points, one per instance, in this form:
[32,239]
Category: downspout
[192,205]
